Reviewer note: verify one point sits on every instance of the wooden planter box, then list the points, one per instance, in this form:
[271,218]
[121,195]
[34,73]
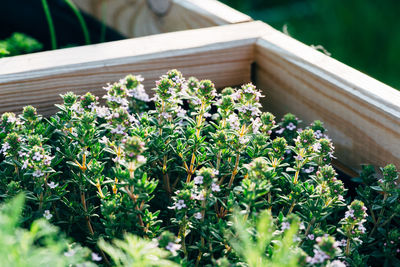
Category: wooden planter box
[135,18]
[361,114]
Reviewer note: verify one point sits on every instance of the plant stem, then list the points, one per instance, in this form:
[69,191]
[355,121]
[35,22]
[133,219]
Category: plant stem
[296,176]
[80,19]
[134,199]
[379,216]
[347,246]
[89,225]
[191,168]
[181,236]
[235,171]
[103,22]
[388,220]
[51,24]
[308,230]
[218,160]
[203,212]
[166,181]
[291,207]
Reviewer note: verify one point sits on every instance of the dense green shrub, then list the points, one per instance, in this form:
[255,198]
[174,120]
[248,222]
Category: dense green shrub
[176,173]
[18,44]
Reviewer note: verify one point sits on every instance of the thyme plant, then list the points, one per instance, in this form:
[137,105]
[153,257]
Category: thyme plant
[206,175]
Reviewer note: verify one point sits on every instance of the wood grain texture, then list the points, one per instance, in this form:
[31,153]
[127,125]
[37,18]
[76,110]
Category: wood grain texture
[222,54]
[135,18]
[361,114]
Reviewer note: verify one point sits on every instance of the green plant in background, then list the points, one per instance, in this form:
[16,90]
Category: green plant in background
[381,196]
[176,173]
[50,22]
[18,44]
[137,252]
[252,238]
[40,245]
[361,33]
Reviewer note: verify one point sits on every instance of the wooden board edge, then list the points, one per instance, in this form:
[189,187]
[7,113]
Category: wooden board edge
[216,11]
[312,82]
[128,51]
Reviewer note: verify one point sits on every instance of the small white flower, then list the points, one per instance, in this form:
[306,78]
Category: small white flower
[96,257]
[215,187]
[233,121]
[181,113]
[298,157]
[11,119]
[309,169]
[318,134]
[310,236]
[361,228]
[70,253]
[280,131]
[243,140]
[198,215]
[296,238]
[119,129]
[25,164]
[52,185]
[47,160]
[302,226]
[180,204]
[166,115]
[47,214]
[207,115]
[141,159]
[200,196]
[198,179]
[291,126]
[285,225]
[103,140]
[316,147]
[102,112]
[5,147]
[349,213]
[336,263]
[37,156]
[173,247]
[196,101]
[37,173]
[92,106]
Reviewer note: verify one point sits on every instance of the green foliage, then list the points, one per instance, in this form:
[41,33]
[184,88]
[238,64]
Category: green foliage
[18,44]
[352,31]
[381,196]
[40,245]
[176,173]
[136,252]
[252,239]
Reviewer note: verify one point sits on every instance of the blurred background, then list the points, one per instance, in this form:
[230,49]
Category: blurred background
[364,34]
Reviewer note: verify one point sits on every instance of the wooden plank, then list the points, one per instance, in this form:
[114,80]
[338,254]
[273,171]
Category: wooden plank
[362,114]
[222,54]
[135,18]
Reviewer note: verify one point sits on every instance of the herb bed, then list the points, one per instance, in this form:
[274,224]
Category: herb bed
[362,114]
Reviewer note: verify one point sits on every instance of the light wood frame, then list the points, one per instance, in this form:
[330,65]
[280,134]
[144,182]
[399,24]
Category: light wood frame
[361,114]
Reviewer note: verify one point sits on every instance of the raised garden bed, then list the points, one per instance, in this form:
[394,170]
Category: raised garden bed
[362,114]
